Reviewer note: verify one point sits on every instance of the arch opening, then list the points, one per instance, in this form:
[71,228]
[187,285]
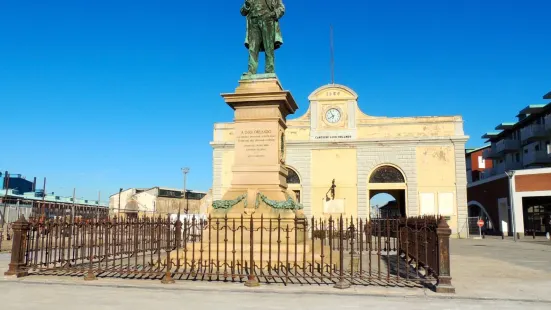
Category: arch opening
[387,174]
[387,184]
[292,176]
[387,203]
[476,211]
[293,183]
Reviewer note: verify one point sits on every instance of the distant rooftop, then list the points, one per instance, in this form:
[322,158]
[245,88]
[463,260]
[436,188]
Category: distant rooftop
[143,189]
[490,135]
[472,150]
[505,126]
[54,198]
[531,109]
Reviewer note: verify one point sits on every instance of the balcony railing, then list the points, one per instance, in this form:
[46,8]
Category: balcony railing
[536,158]
[547,121]
[489,172]
[507,146]
[514,166]
[533,133]
[491,152]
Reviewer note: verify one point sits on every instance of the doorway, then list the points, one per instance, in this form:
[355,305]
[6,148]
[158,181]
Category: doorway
[387,192]
[387,203]
[537,215]
[293,183]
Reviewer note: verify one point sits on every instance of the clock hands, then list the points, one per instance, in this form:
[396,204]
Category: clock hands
[332,115]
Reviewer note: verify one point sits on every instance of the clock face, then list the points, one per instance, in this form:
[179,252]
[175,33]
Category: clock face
[333,115]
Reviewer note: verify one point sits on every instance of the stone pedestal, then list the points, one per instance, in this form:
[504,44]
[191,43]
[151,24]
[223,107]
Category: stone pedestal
[261,107]
[258,221]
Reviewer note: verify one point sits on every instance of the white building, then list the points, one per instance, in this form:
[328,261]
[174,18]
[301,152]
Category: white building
[157,201]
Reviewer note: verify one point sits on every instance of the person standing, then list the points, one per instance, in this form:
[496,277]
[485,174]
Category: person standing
[548,226]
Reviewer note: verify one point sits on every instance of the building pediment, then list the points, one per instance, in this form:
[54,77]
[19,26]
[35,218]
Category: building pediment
[333,92]
[333,115]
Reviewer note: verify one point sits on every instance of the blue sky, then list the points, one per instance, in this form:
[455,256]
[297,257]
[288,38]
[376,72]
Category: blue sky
[101,94]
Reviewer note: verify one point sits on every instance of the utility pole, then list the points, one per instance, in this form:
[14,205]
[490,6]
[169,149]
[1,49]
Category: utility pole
[97,210]
[511,175]
[185,170]
[43,207]
[119,212]
[7,184]
[73,212]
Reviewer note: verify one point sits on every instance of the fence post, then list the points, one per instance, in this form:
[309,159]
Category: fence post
[90,276]
[168,274]
[178,240]
[342,284]
[252,281]
[18,249]
[444,283]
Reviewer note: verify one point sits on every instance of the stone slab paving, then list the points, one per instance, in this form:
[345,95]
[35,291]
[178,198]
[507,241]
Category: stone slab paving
[50,297]
[495,268]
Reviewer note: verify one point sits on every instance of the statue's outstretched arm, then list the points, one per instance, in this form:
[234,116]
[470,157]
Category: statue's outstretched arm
[279,9]
[245,8]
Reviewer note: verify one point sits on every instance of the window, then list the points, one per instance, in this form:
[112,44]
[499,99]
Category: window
[386,174]
[537,148]
[297,194]
[292,177]
[548,147]
[169,193]
[481,162]
[195,196]
[517,157]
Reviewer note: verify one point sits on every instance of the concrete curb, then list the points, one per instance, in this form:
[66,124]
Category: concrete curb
[395,293]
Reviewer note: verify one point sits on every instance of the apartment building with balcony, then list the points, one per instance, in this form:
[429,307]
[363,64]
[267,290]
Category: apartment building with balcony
[513,193]
[476,164]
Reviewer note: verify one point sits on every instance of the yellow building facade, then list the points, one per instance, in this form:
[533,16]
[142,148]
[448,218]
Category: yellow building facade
[418,160]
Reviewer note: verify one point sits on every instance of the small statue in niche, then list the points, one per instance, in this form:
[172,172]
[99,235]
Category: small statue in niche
[332,191]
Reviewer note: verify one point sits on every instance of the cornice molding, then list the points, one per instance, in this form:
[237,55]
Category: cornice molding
[301,144]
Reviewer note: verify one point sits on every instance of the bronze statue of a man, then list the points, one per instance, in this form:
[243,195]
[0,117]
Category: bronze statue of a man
[263,33]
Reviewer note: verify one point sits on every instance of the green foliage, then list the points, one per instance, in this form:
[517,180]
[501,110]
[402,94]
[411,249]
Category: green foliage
[288,204]
[228,204]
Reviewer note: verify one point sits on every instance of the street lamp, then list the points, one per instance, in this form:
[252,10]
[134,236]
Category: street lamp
[511,174]
[185,170]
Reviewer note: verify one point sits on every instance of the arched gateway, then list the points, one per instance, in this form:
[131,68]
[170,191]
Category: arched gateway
[390,180]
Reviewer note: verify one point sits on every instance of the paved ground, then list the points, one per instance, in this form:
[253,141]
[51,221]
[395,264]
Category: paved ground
[498,268]
[5,246]
[486,273]
[28,296]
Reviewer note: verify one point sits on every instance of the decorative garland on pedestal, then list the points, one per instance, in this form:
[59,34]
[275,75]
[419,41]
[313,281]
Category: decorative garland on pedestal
[288,204]
[228,204]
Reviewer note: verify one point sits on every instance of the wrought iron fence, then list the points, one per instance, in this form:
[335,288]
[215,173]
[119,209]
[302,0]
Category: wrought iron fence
[341,251]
